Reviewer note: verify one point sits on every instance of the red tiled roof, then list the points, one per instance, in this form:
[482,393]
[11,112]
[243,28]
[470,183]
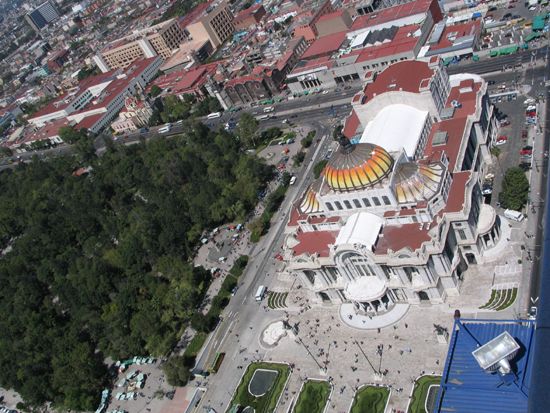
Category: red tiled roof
[246,13]
[457,192]
[52,107]
[283,60]
[243,79]
[313,64]
[332,15]
[391,13]
[455,129]
[193,15]
[455,126]
[90,121]
[406,75]
[295,216]
[351,125]
[184,80]
[49,130]
[324,45]
[401,43]
[397,237]
[316,242]
[95,80]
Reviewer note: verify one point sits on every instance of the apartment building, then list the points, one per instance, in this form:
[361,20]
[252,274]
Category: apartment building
[215,23]
[161,39]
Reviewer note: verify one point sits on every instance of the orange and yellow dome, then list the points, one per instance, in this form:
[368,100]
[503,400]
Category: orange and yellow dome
[357,166]
[416,183]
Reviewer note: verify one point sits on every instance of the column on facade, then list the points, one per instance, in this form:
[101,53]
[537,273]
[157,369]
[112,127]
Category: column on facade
[347,274]
[324,278]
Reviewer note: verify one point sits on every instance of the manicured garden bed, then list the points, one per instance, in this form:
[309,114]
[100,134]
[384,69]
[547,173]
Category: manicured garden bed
[420,393]
[370,399]
[313,397]
[268,401]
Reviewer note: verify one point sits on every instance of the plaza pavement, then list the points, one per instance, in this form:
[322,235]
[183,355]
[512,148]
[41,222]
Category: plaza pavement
[350,355]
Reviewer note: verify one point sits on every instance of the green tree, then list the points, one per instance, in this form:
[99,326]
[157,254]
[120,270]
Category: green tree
[515,189]
[99,264]
[177,371]
[247,129]
[318,168]
[155,91]
[71,135]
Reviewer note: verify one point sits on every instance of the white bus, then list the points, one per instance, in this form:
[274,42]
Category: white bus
[165,129]
[214,115]
[260,293]
[269,109]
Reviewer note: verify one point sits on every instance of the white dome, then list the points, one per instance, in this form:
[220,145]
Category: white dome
[365,289]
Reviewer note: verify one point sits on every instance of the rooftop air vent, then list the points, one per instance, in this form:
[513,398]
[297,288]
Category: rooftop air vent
[440,138]
[447,113]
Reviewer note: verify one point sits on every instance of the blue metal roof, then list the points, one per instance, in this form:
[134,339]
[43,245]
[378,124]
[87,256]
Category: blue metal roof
[467,388]
[539,395]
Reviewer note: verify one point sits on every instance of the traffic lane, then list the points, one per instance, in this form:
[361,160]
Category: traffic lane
[536,269]
[498,63]
[247,308]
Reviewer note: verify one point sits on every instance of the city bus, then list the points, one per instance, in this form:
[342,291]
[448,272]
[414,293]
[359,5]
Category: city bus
[214,115]
[260,293]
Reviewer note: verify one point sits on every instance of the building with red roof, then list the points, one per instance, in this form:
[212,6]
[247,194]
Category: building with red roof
[304,25]
[187,82]
[96,101]
[325,46]
[397,215]
[372,42]
[453,40]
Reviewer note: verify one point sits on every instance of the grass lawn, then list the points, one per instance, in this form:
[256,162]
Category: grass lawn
[313,397]
[268,401]
[418,400]
[370,399]
[195,345]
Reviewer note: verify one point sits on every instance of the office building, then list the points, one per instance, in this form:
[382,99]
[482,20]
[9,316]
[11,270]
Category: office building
[161,39]
[214,23]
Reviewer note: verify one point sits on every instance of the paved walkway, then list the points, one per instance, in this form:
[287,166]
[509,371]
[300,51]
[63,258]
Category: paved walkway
[363,322]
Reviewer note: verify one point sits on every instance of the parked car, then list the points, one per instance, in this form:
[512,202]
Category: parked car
[487,189]
[501,140]
[524,152]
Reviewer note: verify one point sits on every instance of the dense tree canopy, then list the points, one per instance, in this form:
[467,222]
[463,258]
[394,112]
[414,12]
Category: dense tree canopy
[97,264]
[515,189]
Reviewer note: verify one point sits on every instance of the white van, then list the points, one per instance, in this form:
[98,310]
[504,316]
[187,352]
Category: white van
[514,215]
[260,293]
[269,109]
[214,115]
